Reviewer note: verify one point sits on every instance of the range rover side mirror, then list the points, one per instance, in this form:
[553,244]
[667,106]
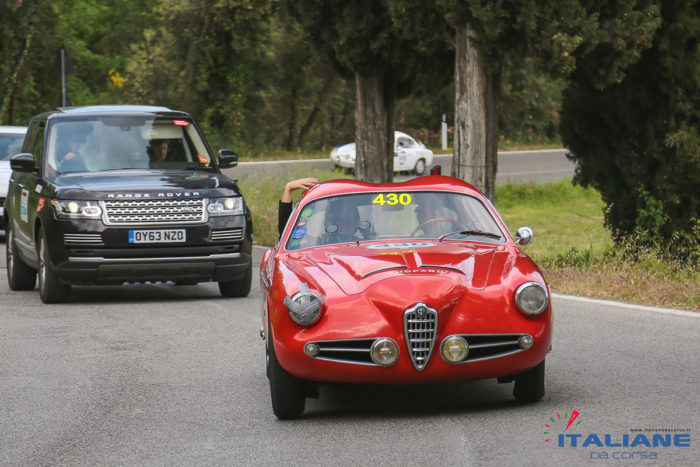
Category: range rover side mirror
[523,236]
[23,162]
[227,158]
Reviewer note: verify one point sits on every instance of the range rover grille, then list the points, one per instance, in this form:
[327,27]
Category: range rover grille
[420,323]
[154,211]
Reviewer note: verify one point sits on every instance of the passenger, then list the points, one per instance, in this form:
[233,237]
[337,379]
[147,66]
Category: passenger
[73,141]
[285,204]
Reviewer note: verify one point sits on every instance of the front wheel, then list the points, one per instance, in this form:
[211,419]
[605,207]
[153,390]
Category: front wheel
[420,167]
[286,391]
[19,275]
[529,386]
[240,287]
[51,290]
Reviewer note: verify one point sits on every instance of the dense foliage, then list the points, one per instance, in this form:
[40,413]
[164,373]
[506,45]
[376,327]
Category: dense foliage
[638,141]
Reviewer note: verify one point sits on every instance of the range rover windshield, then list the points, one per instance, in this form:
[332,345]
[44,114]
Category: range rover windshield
[393,216]
[113,143]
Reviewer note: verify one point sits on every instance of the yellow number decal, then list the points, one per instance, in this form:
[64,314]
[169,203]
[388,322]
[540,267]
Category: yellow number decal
[392,199]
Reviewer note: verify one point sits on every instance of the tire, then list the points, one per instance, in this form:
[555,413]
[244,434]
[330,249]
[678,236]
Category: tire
[529,386]
[240,287]
[19,275]
[286,391]
[51,290]
[420,167]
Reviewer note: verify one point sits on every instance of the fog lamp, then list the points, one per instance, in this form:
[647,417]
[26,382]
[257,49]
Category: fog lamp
[311,349]
[454,349]
[525,342]
[384,351]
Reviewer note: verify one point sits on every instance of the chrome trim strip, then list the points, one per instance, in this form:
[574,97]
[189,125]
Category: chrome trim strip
[169,259]
[490,357]
[338,360]
[435,266]
[489,345]
[493,344]
[393,268]
[341,349]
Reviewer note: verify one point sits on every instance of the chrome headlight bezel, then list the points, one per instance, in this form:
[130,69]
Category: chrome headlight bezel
[305,307]
[457,340]
[77,209]
[531,298]
[225,206]
[380,345]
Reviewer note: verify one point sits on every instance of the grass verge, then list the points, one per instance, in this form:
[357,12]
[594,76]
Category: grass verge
[571,246]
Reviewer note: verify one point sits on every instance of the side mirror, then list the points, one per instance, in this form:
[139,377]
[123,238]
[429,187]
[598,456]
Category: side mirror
[227,158]
[23,162]
[523,236]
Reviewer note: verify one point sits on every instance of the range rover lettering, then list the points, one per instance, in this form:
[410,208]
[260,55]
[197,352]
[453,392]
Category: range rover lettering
[114,194]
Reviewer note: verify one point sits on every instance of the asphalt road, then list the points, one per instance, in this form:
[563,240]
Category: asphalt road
[541,166]
[166,375]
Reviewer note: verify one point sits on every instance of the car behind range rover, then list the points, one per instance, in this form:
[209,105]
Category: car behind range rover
[114,194]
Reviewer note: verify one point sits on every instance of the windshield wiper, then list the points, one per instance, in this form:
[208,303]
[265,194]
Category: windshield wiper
[479,233]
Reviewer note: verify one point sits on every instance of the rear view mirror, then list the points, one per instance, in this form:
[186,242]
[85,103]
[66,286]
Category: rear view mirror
[227,159]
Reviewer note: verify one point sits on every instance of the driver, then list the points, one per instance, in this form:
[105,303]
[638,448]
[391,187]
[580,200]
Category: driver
[433,218]
[341,222]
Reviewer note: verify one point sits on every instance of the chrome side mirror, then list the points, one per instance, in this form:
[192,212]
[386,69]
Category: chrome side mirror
[523,236]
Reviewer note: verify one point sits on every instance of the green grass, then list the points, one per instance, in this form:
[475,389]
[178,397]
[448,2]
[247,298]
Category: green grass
[570,243]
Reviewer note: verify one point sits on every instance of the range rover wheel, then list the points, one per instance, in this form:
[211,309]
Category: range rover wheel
[420,167]
[240,287]
[529,386]
[286,391]
[50,289]
[19,275]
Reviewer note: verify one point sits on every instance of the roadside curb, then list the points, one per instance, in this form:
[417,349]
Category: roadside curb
[629,306]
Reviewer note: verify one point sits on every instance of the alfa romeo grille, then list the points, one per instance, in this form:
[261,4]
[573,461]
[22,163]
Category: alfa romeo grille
[420,324]
[154,211]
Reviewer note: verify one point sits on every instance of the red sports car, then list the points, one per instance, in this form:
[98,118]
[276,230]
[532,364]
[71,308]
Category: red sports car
[401,283]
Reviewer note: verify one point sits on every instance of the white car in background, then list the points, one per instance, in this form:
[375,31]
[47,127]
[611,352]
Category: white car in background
[11,139]
[409,155]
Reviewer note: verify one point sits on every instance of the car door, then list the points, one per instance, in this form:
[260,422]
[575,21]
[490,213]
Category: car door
[402,154]
[26,197]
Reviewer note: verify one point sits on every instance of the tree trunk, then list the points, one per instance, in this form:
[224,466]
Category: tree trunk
[477,91]
[374,128]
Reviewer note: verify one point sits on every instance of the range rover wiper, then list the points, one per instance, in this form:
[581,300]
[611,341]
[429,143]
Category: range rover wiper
[478,233]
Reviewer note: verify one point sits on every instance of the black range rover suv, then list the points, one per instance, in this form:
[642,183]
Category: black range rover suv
[114,194]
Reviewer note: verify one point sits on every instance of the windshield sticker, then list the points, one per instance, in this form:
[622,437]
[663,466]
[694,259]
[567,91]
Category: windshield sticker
[203,159]
[392,199]
[307,212]
[23,205]
[400,245]
[299,232]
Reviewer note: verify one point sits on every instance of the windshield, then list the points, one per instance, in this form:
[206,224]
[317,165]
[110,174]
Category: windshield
[10,144]
[400,215]
[110,143]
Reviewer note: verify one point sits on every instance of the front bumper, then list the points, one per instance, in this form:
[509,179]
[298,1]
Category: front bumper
[88,252]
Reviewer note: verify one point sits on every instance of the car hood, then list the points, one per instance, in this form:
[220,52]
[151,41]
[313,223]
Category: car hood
[356,268]
[124,184]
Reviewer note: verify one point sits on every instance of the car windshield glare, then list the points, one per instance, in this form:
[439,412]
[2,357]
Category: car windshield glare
[113,143]
[392,215]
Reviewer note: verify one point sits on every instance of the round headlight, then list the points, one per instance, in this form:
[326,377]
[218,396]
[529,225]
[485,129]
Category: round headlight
[304,308]
[73,207]
[384,351]
[531,298]
[229,204]
[454,349]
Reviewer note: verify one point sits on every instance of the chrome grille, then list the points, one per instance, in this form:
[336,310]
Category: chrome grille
[355,351]
[227,234]
[487,346]
[82,239]
[420,324]
[154,211]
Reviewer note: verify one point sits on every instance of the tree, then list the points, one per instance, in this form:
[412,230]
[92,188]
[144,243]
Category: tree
[365,44]
[638,141]
[552,32]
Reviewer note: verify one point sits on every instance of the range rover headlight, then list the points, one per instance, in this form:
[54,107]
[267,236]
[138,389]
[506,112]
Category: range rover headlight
[229,206]
[77,209]
[531,298]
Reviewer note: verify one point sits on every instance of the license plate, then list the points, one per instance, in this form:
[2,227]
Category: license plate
[157,236]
